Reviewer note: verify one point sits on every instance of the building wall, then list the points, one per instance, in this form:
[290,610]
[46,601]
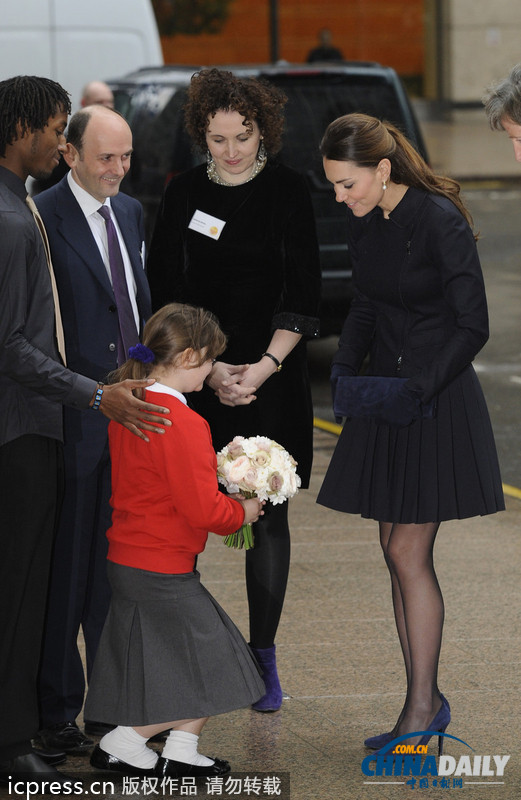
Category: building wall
[387,31]
[481,41]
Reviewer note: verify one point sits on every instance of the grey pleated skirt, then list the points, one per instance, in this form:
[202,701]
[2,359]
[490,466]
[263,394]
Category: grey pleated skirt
[168,651]
[432,470]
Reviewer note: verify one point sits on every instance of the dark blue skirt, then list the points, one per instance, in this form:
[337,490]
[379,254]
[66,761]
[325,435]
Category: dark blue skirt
[432,470]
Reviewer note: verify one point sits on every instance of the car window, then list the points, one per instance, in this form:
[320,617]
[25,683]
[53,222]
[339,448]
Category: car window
[161,146]
[315,101]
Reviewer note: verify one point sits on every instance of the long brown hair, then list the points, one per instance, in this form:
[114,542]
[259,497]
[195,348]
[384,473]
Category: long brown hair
[365,140]
[168,333]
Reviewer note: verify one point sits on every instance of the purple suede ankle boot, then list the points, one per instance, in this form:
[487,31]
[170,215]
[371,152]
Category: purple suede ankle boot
[272,700]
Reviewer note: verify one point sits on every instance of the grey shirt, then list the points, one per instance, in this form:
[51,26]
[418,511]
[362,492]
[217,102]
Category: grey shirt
[34,384]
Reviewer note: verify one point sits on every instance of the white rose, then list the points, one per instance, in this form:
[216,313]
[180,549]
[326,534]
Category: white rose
[238,469]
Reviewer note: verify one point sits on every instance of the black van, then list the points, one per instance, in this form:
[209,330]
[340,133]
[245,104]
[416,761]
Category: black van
[152,101]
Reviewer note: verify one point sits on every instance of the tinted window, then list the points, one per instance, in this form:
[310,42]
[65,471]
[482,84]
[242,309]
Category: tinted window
[315,101]
[161,146]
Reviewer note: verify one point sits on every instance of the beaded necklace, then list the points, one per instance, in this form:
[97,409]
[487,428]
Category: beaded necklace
[258,166]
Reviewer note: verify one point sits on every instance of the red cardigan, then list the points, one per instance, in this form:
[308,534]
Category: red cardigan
[165,495]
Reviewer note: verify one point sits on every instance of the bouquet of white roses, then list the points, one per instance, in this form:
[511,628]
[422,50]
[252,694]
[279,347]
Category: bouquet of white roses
[256,467]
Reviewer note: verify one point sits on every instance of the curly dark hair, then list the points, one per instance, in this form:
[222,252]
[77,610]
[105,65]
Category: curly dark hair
[213,90]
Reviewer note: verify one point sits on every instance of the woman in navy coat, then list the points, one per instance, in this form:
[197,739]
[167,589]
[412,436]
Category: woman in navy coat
[419,313]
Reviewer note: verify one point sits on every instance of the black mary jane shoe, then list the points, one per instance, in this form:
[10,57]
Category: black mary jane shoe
[168,768]
[102,760]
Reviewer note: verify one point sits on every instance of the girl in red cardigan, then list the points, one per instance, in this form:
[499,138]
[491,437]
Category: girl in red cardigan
[169,656]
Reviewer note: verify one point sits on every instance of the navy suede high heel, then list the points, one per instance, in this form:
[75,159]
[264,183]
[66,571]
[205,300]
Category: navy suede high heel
[439,723]
[376,742]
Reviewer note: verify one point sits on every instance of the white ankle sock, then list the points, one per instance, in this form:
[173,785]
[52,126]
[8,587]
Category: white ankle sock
[129,746]
[182,746]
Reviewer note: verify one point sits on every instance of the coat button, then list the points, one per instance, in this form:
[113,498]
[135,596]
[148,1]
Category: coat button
[112,347]
[112,309]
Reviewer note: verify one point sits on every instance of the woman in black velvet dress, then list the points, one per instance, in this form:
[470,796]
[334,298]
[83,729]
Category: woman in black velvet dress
[237,236]
[420,313]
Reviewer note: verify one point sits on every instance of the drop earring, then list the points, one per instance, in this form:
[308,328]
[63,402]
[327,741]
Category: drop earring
[384,185]
[261,154]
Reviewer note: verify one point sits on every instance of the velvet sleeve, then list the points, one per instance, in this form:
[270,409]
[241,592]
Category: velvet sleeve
[298,310]
[165,262]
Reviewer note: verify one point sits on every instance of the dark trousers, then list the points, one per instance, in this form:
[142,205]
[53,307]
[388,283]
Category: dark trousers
[31,475]
[79,591]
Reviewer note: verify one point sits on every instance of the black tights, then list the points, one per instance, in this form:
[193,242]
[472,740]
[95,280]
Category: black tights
[419,614]
[267,567]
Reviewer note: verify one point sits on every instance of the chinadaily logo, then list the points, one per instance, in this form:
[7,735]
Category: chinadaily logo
[400,762]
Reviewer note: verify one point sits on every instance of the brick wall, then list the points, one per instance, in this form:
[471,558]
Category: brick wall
[388,31]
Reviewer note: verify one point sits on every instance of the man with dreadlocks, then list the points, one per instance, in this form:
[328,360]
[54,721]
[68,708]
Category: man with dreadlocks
[34,384]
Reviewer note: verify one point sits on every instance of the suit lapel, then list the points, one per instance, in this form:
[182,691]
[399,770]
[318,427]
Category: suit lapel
[75,230]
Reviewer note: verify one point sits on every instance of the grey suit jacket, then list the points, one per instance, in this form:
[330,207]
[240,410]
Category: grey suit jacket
[33,382]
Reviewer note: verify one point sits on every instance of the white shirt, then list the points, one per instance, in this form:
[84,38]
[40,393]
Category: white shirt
[89,205]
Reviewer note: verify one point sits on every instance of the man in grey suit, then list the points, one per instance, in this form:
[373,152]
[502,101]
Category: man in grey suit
[99,147]
[34,384]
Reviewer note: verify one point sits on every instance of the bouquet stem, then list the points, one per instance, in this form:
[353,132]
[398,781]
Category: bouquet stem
[242,538]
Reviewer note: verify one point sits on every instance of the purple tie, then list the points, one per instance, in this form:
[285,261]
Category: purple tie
[128,335]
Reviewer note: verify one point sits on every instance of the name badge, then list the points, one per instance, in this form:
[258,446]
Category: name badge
[206,224]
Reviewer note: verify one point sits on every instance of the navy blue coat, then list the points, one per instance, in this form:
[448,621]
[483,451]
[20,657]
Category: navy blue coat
[420,309]
[88,307]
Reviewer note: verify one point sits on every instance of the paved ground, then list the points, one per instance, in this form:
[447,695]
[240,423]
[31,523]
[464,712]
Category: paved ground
[461,144]
[340,662]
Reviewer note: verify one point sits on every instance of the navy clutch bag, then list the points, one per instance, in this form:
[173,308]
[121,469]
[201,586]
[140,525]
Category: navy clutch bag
[387,400]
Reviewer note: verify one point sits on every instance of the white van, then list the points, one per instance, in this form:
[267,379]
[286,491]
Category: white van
[76,41]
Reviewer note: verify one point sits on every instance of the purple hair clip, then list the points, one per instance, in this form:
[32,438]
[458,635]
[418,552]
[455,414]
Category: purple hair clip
[140,352]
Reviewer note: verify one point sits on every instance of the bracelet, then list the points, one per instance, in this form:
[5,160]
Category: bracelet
[276,360]
[97,397]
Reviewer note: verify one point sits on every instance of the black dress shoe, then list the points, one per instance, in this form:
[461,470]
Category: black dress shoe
[65,736]
[167,768]
[52,757]
[97,728]
[31,767]
[102,760]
